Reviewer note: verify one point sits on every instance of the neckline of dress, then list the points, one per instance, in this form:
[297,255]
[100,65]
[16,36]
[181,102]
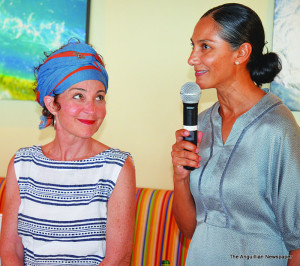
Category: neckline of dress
[40,150]
[246,118]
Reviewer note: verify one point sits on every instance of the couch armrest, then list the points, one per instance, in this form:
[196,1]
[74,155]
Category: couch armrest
[2,192]
[157,236]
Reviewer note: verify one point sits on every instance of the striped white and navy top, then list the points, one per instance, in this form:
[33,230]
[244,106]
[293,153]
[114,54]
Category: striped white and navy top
[63,211]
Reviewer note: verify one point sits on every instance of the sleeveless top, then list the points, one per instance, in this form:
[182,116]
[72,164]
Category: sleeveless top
[63,211]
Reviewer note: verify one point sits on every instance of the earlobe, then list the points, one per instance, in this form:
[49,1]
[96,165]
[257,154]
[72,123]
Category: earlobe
[49,103]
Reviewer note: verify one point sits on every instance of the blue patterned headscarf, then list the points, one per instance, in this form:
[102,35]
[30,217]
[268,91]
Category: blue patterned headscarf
[67,66]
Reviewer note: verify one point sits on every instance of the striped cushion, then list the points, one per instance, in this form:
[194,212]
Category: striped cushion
[2,193]
[157,236]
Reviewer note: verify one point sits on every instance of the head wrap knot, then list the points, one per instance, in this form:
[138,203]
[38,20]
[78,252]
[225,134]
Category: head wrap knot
[67,66]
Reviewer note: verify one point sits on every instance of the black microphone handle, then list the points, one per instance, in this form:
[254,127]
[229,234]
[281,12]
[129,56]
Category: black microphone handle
[190,118]
[191,138]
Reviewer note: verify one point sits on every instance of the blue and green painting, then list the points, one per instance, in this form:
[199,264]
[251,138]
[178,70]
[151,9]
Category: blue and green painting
[27,30]
[286,38]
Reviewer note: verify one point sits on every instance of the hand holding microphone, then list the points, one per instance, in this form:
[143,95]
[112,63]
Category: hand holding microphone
[184,154]
[190,95]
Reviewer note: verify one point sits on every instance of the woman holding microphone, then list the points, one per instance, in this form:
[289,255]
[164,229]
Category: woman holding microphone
[240,206]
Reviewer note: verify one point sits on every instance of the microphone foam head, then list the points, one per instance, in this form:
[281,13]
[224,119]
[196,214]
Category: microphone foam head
[190,92]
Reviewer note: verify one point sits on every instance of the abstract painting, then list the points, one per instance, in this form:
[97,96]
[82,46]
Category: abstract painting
[27,30]
[286,39]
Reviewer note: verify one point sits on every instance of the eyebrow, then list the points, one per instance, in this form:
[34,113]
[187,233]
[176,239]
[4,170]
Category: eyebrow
[81,89]
[202,41]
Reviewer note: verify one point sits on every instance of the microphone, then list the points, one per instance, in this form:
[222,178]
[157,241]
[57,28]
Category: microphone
[190,95]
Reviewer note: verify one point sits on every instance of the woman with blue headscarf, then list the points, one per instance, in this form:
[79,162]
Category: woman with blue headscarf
[71,201]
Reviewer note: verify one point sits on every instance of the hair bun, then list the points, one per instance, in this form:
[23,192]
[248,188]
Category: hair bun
[265,68]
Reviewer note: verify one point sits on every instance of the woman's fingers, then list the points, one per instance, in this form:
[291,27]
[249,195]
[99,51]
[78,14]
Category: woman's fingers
[185,158]
[185,153]
[181,143]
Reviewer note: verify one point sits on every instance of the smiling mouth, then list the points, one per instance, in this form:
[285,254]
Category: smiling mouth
[87,122]
[200,73]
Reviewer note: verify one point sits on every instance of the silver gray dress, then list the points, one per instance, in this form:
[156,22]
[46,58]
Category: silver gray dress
[247,191]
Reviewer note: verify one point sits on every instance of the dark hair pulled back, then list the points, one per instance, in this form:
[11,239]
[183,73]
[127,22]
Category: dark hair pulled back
[240,24]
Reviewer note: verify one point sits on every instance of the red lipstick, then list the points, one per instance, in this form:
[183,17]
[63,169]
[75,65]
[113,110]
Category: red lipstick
[87,122]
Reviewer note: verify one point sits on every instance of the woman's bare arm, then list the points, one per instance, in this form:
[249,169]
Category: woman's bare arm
[121,218]
[11,248]
[184,154]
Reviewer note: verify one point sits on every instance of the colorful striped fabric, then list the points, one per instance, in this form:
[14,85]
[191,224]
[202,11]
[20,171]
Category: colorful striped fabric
[157,236]
[2,193]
